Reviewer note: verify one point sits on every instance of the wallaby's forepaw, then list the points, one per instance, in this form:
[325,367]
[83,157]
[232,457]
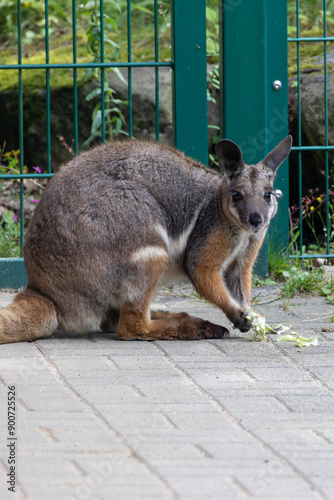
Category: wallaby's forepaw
[242,323]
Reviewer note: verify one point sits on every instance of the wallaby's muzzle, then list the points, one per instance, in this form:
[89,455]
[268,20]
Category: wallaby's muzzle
[255,221]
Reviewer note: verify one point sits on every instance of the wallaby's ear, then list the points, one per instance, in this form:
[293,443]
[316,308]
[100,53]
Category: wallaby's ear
[278,154]
[229,158]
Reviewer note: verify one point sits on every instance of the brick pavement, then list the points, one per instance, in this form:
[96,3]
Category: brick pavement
[102,419]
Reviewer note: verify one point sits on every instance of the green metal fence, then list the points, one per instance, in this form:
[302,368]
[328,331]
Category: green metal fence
[189,80]
[313,206]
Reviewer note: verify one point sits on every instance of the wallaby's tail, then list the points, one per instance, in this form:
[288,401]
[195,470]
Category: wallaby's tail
[29,317]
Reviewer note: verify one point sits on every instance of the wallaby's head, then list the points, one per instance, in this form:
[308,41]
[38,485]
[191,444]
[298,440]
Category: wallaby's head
[249,200]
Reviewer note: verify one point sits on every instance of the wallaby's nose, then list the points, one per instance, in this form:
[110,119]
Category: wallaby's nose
[255,220]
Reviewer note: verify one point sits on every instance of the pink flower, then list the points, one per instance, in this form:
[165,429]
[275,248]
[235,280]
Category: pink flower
[15,218]
[38,170]
[34,201]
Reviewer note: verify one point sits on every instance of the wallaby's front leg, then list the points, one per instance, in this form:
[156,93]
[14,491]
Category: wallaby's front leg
[205,275]
[238,275]
[209,284]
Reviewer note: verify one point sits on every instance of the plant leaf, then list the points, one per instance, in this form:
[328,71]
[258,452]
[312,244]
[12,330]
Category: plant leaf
[143,9]
[120,76]
[93,94]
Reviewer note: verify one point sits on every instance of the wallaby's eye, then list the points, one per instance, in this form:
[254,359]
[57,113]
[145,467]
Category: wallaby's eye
[267,195]
[236,196]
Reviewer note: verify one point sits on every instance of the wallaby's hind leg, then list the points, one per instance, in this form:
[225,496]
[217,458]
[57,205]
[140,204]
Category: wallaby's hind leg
[30,317]
[167,314]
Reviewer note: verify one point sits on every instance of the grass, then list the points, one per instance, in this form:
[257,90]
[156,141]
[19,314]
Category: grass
[298,277]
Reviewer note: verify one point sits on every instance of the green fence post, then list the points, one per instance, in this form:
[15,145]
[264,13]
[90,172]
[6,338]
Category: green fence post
[255,115]
[189,78]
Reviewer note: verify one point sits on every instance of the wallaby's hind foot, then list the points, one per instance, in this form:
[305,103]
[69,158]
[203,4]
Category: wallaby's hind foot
[166,326]
[207,330]
[160,314]
[30,317]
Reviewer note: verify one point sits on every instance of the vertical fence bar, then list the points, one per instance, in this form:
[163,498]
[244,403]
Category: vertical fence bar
[190,79]
[75,76]
[326,129]
[103,121]
[129,68]
[156,58]
[300,166]
[277,112]
[19,40]
[47,77]
[265,72]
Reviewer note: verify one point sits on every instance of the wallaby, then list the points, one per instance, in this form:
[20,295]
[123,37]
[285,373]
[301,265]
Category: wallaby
[123,218]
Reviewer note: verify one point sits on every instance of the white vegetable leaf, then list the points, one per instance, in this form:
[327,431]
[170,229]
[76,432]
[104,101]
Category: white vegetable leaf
[260,328]
[300,341]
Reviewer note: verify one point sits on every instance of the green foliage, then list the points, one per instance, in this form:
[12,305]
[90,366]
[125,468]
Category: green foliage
[33,19]
[143,32]
[311,24]
[300,280]
[9,162]
[9,236]
[303,281]
[256,281]
[297,276]
[111,114]
[9,220]
[311,16]
[314,216]
[278,260]
[212,31]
